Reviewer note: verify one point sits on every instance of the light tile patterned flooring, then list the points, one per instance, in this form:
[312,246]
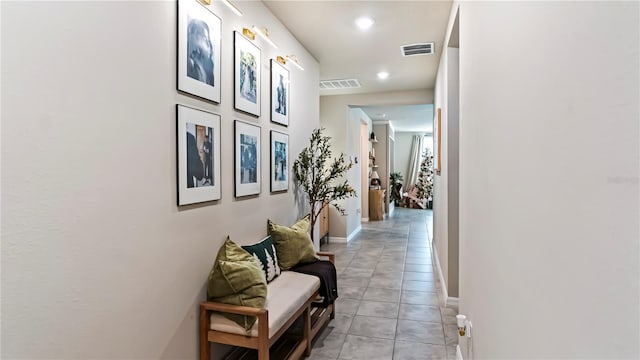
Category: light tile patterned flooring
[389,305]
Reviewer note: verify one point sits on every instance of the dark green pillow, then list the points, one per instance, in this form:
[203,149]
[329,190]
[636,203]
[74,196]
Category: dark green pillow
[236,278]
[265,252]
[293,243]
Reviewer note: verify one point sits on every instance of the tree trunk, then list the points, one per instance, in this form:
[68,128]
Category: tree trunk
[313,223]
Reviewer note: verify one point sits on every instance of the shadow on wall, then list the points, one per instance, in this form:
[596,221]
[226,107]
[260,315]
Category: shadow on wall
[181,345]
[300,198]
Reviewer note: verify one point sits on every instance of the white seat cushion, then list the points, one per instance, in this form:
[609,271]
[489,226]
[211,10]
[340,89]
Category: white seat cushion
[286,294]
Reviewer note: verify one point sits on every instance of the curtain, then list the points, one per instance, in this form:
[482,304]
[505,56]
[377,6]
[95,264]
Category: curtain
[414,162]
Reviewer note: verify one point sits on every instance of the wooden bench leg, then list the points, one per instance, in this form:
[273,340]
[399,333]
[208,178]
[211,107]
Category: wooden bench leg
[205,347]
[307,330]
[263,351]
[333,311]
[263,337]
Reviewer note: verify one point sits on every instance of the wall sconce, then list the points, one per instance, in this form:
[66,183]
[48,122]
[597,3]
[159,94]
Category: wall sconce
[248,34]
[229,5]
[264,33]
[292,58]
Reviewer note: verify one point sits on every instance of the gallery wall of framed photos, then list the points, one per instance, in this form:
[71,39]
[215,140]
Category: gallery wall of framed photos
[214,52]
[103,186]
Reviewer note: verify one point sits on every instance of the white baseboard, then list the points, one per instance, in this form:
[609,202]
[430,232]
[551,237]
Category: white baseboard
[444,294]
[343,240]
[365,219]
[452,301]
[458,353]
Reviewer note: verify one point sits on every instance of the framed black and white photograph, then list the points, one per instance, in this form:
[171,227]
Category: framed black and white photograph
[198,155]
[199,38]
[246,75]
[279,93]
[279,161]
[247,158]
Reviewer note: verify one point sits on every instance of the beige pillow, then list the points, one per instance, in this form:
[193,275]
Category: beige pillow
[293,244]
[237,279]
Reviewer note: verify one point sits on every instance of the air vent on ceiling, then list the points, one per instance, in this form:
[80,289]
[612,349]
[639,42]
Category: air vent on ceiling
[339,84]
[417,49]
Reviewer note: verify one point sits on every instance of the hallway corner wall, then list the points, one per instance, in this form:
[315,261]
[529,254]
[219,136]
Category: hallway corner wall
[445,245]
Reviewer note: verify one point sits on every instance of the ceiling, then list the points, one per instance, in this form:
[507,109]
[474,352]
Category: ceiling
[327,30]
[403,118]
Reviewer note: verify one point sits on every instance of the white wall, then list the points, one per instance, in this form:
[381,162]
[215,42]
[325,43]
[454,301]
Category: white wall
[549,199]
[98,261]
[336,117]
[356,118]
[440,238]
[453,173]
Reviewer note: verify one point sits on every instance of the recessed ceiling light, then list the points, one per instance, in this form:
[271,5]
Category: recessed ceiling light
[364,22]
[383,75]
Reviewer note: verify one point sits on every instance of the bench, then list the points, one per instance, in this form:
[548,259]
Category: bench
[289,296]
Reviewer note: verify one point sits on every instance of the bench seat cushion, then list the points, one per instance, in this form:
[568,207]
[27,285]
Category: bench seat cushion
[285,294]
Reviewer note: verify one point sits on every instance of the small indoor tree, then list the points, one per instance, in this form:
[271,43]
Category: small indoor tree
[396,184]
[317,177]
[425,177]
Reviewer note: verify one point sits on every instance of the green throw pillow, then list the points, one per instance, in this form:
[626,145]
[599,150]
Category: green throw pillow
[265,252]
[237,279]
[293,243]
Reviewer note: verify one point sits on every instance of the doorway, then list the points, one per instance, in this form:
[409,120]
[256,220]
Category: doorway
[364,172]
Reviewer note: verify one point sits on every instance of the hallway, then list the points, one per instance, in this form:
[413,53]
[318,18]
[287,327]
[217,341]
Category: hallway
[389,305]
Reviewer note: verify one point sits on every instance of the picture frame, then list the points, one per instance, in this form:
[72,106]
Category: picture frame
[247,75]
[198,155]
[199,51]
[438,145]
[247,162]
[279,93]
[279,161]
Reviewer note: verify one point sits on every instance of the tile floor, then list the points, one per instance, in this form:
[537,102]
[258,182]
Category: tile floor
[389,305]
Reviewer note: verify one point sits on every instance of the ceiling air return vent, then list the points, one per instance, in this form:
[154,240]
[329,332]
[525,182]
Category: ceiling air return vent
[339,84]
[417,49]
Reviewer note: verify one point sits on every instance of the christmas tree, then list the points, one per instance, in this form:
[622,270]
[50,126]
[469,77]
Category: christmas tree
[425,176]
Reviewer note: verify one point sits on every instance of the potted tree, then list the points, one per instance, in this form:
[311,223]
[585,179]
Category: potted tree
[319,179]
[396,185]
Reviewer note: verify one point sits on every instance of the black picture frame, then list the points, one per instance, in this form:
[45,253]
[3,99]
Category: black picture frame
[199,32]
[279,162]
[198,155]
[280,93]
[247,75]
[247,159]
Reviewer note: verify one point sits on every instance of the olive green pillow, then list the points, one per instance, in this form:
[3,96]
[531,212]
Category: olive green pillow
[293,244]
[237,279]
